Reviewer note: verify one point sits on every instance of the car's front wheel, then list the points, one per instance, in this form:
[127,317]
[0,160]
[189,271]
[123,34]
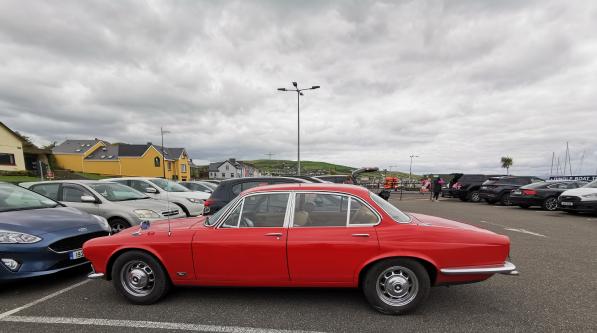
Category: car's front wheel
[396,286]
[139,277]
[118,224]
[505,199]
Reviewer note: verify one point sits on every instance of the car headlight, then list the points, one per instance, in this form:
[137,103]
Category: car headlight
[103,223]
[12,237]
[146,214]
[590,196]
[193,200]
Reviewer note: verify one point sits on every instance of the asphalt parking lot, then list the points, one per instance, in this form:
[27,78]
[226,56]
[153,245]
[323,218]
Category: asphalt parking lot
[556,291]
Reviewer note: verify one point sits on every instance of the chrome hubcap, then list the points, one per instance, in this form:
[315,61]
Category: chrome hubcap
[117,227]
[551,204]
[475,197]
[397,286]
[138,278]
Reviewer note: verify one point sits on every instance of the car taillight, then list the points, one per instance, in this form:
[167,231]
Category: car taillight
[208,202]
[529,192]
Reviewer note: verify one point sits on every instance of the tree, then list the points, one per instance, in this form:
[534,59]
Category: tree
[507,163]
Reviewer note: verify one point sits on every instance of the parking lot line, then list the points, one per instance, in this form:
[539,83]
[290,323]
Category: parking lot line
[144,324]
[524,231]
[45,298]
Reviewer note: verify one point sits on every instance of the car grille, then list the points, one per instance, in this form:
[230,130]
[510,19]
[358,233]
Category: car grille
[170,212]
[569,198]
[74,243]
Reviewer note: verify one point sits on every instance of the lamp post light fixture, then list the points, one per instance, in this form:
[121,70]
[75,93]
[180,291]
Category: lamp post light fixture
[299,93]
[410,170]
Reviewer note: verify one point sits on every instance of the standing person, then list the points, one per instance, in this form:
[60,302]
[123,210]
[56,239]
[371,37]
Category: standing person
[437,188]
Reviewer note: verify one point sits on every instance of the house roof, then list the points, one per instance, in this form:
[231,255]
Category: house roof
[213,167]
[75,146]
[116,150]
[109,152]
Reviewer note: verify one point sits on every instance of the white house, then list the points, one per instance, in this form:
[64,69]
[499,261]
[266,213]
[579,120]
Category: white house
[231,168]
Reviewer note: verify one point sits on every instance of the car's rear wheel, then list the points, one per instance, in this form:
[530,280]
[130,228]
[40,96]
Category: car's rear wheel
[550,204]
[474,196]
[118,224]
[396,286]
[139,277]
[505,199]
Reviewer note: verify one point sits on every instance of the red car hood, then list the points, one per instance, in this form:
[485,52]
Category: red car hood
[434,221]
[176,224]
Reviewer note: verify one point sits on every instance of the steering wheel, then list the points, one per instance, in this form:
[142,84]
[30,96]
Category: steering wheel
[247,223]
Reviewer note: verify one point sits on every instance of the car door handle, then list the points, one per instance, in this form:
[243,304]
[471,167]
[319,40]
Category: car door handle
[360,235]
[274,234]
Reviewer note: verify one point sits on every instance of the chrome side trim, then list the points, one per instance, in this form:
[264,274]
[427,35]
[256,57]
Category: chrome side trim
[507,268]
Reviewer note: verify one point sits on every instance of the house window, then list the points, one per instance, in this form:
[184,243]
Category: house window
[223,175]
[227,167]
[232,175]
[7,159]
[156,162]
[183,168]
[169,165]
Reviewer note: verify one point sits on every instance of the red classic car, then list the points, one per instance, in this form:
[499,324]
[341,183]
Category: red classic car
[302,235]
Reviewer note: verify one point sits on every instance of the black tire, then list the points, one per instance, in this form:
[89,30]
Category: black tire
[550,204]
[381,299]
[524,206]
[474,196]
[157,285]
[505,199]
[118,224]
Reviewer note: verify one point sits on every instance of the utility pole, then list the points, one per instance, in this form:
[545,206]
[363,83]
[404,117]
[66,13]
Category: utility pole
[553,155]
[299,93]
[410,169]
[162,132]
[270,155]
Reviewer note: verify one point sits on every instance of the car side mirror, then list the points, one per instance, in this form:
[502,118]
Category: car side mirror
[151,190]
[88,198]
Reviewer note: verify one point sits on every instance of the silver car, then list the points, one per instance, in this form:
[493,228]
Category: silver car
[121,205]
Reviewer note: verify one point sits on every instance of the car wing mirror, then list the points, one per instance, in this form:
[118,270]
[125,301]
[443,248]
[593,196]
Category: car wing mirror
[88,198]
[151,190]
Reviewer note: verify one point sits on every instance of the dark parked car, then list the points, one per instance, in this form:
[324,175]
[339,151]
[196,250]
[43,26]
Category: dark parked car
[579,200]
[465,186]
[40,236]
[347,179]
[231,188]
[544,194]
[498,189]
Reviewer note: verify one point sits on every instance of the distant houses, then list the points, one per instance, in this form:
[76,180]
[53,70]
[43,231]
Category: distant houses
[122,159]
[231,168]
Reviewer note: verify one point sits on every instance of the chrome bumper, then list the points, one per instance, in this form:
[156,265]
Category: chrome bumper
[507,268]
[94,276]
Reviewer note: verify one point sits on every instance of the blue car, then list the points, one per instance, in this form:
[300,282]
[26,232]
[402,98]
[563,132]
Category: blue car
[40,236]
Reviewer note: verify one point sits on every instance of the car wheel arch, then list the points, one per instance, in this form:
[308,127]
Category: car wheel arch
[117,253]
[183,207]
[427,263]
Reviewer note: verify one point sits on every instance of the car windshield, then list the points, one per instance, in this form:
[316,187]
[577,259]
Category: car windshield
[212,219]
[117,192]
[394,212]
[14,197]
[210,185]
[592,184]
[168,185]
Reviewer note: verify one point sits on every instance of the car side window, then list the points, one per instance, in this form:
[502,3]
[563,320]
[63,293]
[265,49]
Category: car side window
[73,193]
[232,219]
[238,188]
[320,210]
[361,214]
[47,190]
[139,185]
[266,210]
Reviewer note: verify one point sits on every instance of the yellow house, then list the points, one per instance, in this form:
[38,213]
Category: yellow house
[120,159]
[17,153]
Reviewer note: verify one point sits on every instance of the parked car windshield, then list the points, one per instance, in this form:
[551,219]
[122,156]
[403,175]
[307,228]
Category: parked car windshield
[117,192]
[394,212]
[592,184]
[169,186]
[13,197]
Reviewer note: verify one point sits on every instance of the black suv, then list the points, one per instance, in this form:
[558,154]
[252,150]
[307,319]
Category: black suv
[499,188]
[465,186]
[231,188]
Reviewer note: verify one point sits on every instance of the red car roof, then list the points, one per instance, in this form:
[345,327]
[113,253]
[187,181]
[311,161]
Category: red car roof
[352,189]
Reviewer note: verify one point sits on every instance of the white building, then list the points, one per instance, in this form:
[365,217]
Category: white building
[231,168]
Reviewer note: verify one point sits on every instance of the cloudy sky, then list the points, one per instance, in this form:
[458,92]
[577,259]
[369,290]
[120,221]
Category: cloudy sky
[459,83]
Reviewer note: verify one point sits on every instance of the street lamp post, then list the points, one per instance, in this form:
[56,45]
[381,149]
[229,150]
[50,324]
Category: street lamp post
[299,93]
[410,169]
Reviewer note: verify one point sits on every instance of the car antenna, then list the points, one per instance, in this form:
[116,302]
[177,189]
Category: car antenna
[165,179]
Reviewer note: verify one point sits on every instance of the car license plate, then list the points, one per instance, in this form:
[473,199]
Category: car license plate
[565,203]
[517,192]
[75,254]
